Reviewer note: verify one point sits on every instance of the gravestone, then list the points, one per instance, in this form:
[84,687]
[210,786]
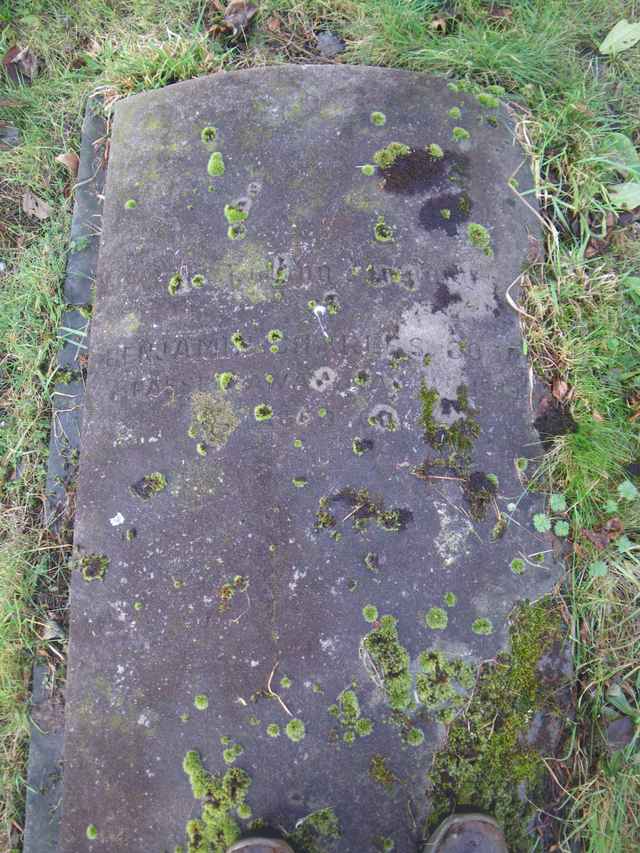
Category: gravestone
[307,418]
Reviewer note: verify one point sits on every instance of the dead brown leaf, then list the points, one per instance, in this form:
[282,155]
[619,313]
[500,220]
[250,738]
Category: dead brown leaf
[34,206]
[535,251]
[605,533]
[500,13]
[238,14]
[20,63]
[70,161]
[273,24]
[560,389]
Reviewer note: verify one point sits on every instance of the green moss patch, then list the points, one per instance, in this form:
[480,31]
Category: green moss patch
[315,831]
[480,238]
[93,567]
[486,760]
[215,830]
[388,662]
[386,157]
[215,166]
[149,485]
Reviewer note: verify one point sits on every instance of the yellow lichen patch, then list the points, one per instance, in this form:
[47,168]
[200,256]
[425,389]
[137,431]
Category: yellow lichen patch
[213,416]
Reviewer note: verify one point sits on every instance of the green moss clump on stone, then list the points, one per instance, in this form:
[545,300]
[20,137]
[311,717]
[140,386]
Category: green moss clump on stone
[295,730]
[358,446]
[386,157]
[149,485]
[486,99]
[225,380]
[201,702]
[445,213]
[479,238]
[208,135]
[93,567]
[379,771]
[442,683]
[215,830]
[175,284]
[285,682]
[378,118]
[482,626]
[460,134]
[428,399]
[273,730]
[130,204]
[435,150]
[231,754]
[197,281]
[215,166]
[315,832]
[274,336]
[263,412]
[415,737]
[300,482]
[517,566]
[238,342]
[368,169]
[234,214]
[390,662]
[370,613]
[450,599]
[383,232]
[236,232]
[454,113]
[487,760]
[92,832]
[436,618]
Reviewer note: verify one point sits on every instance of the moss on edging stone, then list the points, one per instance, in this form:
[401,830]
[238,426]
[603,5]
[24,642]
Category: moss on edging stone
[486,761]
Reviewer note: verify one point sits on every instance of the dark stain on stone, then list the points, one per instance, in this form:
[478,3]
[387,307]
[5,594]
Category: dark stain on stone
[478,491]
[413,173]
[552,420]
[445,212]
[446,405]
[443,297]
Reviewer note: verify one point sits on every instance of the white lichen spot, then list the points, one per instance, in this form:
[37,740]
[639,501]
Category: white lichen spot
[117,519]
[455,530]
[323,379]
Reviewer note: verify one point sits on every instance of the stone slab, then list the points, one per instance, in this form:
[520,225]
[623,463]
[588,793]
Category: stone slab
[44,779]
[272,534]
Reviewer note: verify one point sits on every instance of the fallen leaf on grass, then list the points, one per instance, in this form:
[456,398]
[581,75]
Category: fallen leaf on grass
[626,196]
[498,13]
[623,36]
[70,161]
[604,534]
[620,151]
[20,63]
[273,24]
[238,14]
[34,206]
[560,389]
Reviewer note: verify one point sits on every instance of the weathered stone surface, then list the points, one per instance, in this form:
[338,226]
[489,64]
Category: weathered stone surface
[271,534]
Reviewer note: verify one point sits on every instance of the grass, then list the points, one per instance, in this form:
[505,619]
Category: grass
[579,304]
